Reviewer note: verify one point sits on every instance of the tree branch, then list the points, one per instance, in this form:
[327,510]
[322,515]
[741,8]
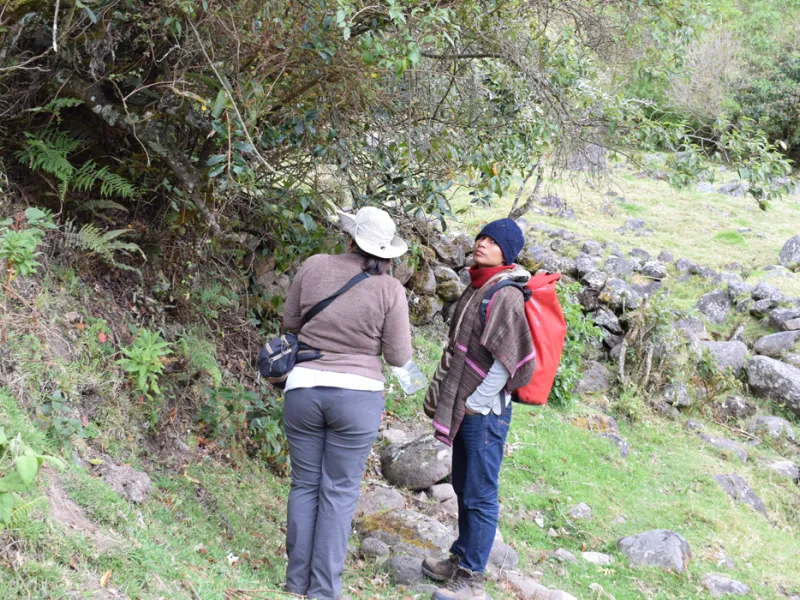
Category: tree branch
[516,213]
[151,136]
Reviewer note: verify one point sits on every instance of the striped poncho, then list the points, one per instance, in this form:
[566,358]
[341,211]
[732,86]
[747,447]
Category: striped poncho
[471,350]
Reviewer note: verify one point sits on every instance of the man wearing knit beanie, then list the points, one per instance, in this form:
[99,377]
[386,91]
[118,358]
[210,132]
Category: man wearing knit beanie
[469,401]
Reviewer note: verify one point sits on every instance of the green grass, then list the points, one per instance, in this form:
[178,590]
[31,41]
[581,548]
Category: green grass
[633,209]
[732,238]
[664,483]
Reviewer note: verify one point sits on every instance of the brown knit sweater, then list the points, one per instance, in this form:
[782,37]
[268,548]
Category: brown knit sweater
[366,321]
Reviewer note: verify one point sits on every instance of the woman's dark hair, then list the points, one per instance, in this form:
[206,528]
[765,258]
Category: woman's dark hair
[374,265]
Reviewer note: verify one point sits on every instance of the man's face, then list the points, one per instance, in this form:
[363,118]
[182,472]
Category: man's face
[487,253]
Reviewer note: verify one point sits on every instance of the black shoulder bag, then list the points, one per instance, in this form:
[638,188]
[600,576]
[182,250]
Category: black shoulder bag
[279,356]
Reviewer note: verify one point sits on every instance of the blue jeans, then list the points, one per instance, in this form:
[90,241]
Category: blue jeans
[477,454]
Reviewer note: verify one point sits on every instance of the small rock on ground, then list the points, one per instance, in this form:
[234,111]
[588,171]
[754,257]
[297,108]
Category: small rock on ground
[441,492]
[374,548]
[774,427]
[562,555]
[406,570]
[621,443]
[580,511]
[657,548]
[719,585]
[597,558]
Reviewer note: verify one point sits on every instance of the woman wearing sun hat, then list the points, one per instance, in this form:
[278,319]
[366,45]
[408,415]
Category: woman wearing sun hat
[333,405]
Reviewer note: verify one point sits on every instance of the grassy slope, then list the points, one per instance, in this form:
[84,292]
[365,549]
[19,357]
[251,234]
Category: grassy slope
[182,537]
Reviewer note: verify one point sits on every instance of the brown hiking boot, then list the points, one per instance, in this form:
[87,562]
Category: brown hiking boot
[442,569]
[465,585]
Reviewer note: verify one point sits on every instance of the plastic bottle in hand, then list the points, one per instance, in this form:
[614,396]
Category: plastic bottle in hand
[410,377]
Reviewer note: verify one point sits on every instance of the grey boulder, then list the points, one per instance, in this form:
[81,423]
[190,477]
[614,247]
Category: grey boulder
[619,295]
[726,445]
[617,266]
[406,532]
[770,378]
[591,248]
[654,270]
[785,319]
[602,317]
[715,306]
[738,489]
[676,394]
[790,253]
[785,468]
[766,291]
[773,427]
[594,279]
[657,548]
[405,569]
[726,355]
[596,378]
[734,408]
[719,586]
[423,282]
[580,511]
[417,464]
[776,345]
[584,264]
[374,548]
[450,290]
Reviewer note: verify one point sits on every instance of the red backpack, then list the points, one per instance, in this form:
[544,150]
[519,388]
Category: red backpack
[548,330]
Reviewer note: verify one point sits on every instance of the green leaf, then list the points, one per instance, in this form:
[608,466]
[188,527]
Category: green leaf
[216,159]
[34,215]
[27,467]
[13,483]
[7,502]
[219,104]
[89,11]
[54,462]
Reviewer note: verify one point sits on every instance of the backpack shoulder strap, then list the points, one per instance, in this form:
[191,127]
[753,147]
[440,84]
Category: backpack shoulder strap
[323,304]
[489,294]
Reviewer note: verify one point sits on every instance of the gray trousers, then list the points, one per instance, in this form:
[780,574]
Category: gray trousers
[330,433]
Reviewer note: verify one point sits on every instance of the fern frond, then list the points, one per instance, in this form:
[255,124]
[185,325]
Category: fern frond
[48,153]
[85,177]
[55,105]
[104,244]
[115,185]
[22,512]
[202,355]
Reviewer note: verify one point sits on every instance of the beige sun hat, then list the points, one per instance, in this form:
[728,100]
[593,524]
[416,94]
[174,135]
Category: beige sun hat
[374,232]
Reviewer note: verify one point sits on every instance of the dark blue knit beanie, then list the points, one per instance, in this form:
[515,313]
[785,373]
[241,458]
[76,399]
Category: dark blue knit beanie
[506,234]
